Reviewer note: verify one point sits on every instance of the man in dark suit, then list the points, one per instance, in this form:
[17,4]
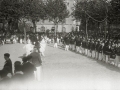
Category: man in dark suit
[8,62]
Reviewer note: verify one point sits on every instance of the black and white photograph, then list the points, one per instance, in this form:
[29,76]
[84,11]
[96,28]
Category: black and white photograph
[59,44]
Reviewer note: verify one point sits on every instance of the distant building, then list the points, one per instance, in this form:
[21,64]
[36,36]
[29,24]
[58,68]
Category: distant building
[68,26]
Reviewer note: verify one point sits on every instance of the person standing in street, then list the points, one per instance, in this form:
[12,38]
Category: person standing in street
[67,42]
[55,42]
[8,62]
[42,46]
[37,62]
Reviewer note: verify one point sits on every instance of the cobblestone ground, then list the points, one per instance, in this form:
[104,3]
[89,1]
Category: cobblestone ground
[66,70]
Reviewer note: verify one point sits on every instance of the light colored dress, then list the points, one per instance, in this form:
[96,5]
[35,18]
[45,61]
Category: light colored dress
[42,46]
[28,48]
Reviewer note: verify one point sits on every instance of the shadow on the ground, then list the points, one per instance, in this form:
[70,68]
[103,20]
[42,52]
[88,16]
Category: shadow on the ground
[109,66]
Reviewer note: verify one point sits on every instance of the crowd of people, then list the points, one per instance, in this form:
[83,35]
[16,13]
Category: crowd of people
[27,71]
[96,47]
[99,47]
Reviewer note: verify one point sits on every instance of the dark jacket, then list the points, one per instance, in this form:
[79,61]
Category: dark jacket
[108,50]
[118,51]
[97,47]
[36,59]
[100,48]
[8,63]
[67,41]
[28,70]
[93,46]
[55,39]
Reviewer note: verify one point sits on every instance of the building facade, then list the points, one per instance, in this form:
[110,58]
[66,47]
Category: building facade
[69,25]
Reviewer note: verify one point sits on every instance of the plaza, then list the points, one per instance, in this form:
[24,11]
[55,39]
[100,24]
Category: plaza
[66,70]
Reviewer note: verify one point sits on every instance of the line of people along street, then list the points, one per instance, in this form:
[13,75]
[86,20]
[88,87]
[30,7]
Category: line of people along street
[106,50]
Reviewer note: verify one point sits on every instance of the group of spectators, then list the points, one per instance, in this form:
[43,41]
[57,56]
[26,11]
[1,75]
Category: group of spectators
[106,49]
[25,72]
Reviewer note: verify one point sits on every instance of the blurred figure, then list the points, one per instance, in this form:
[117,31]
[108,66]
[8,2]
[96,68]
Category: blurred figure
[37,46]
[37,62]
[4,79]
[8,63]
[18,80]
[42,46]
[55,42]
[28,47]
[117,60]
[67,42]
[28,68]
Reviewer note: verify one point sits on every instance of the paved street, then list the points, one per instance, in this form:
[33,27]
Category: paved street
[66,70]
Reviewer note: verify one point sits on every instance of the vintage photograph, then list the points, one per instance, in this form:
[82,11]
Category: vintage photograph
[59,44]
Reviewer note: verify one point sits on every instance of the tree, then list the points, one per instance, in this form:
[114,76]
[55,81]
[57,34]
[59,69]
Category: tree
[35,11]
[114,12]
[11,11]
[88,11]
[56,11]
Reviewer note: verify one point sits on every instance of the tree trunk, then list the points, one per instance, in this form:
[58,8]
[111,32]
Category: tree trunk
[17,26]
[86,28]
[3,27]
[34,25]
[100,27]
[9,25]
[24,32]
[56,28]
[105,28]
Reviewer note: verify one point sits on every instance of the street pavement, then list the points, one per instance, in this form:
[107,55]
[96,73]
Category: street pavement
[67,70]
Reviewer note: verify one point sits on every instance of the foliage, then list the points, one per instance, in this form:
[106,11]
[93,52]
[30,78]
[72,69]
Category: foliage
[114,12]
[56,10]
